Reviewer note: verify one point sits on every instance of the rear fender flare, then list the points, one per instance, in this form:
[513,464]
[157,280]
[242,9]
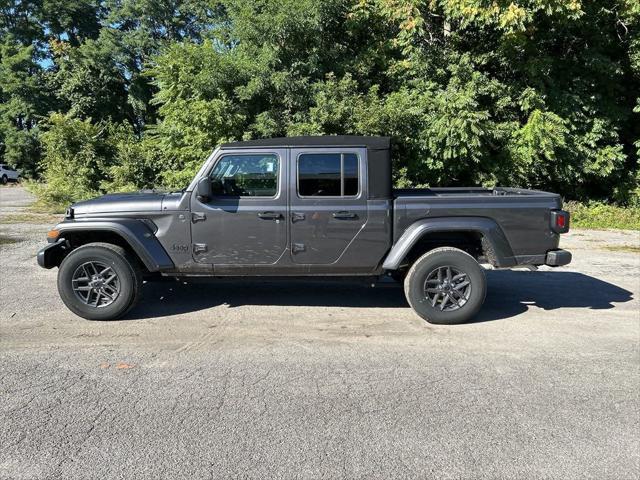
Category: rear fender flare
[137,235]
[489,230]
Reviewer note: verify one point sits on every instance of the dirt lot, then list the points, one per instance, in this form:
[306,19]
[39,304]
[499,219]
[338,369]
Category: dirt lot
[259,380]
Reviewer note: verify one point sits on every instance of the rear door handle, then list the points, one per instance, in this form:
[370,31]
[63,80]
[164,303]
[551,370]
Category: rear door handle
[270,215]
[344,215]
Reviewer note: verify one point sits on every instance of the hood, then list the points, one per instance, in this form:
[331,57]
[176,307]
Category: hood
[145,201]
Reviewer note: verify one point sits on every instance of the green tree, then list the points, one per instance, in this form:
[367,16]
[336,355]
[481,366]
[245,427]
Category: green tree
[530,93]
[88,81]
[23,97]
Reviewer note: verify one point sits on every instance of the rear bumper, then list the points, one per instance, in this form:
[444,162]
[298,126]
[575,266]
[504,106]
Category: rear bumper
[51,255]
[557,258]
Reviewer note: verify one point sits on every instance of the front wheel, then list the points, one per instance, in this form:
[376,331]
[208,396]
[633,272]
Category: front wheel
[5,180]
[446,286]
[99,281]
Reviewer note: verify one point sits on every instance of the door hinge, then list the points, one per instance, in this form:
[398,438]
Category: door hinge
[198,217]
[297,247]
[199,247]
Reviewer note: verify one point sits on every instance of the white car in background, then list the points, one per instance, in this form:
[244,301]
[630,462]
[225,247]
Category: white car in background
[8,174]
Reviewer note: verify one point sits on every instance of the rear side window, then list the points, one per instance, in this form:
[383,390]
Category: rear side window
[246,176]
[328,175]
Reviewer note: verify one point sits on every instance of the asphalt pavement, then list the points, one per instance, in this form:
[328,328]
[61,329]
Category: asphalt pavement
[229,379]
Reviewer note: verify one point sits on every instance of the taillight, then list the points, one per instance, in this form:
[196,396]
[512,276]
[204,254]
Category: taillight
[559,221]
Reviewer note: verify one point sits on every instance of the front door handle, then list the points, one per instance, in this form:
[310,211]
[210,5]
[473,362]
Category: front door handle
[344,215]
[270,215]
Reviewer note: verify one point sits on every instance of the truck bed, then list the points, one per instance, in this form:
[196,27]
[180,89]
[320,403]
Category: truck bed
[469,192]
[523,215]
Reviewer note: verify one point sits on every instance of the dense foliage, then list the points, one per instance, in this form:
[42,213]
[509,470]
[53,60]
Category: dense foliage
[122,94]
[600,215]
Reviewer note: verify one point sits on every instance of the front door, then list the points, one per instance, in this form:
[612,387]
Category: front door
[245,222]
[328,203]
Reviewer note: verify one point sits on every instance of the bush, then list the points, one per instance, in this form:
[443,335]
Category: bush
[82,160]
[599,215]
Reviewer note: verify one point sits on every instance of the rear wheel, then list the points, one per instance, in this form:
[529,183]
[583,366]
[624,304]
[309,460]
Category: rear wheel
[5,179]
[445,286]
[99,281]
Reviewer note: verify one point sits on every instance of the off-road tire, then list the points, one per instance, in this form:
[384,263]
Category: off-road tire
[124,265]
[415,285]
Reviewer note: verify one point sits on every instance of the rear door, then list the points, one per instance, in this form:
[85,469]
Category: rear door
[328,202]
[245,222]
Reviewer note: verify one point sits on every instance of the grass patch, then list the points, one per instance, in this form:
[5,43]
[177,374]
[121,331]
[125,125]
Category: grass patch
[30,217]
[7,240]
[600,216]
[43,204]
[623,248]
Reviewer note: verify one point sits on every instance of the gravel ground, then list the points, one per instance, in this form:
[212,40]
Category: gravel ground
[323,380]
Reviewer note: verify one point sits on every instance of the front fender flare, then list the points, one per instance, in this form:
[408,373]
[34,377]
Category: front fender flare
[486,227]
[138,235]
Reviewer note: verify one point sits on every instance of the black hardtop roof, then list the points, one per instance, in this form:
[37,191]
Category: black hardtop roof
[372,143]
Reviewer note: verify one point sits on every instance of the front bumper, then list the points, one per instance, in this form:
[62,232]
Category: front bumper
[557,258]
[51,255]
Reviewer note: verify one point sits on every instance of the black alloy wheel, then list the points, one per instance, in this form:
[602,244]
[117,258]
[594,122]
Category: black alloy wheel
[446,286]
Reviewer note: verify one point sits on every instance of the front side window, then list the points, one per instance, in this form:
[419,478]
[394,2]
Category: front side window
[327,174]
[246,176]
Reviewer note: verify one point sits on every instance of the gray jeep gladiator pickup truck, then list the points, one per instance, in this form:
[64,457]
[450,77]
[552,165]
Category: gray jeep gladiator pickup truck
[303,206]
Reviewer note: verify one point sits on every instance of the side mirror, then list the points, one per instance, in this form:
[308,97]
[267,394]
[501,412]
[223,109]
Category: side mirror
[204,190]
[217,188]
